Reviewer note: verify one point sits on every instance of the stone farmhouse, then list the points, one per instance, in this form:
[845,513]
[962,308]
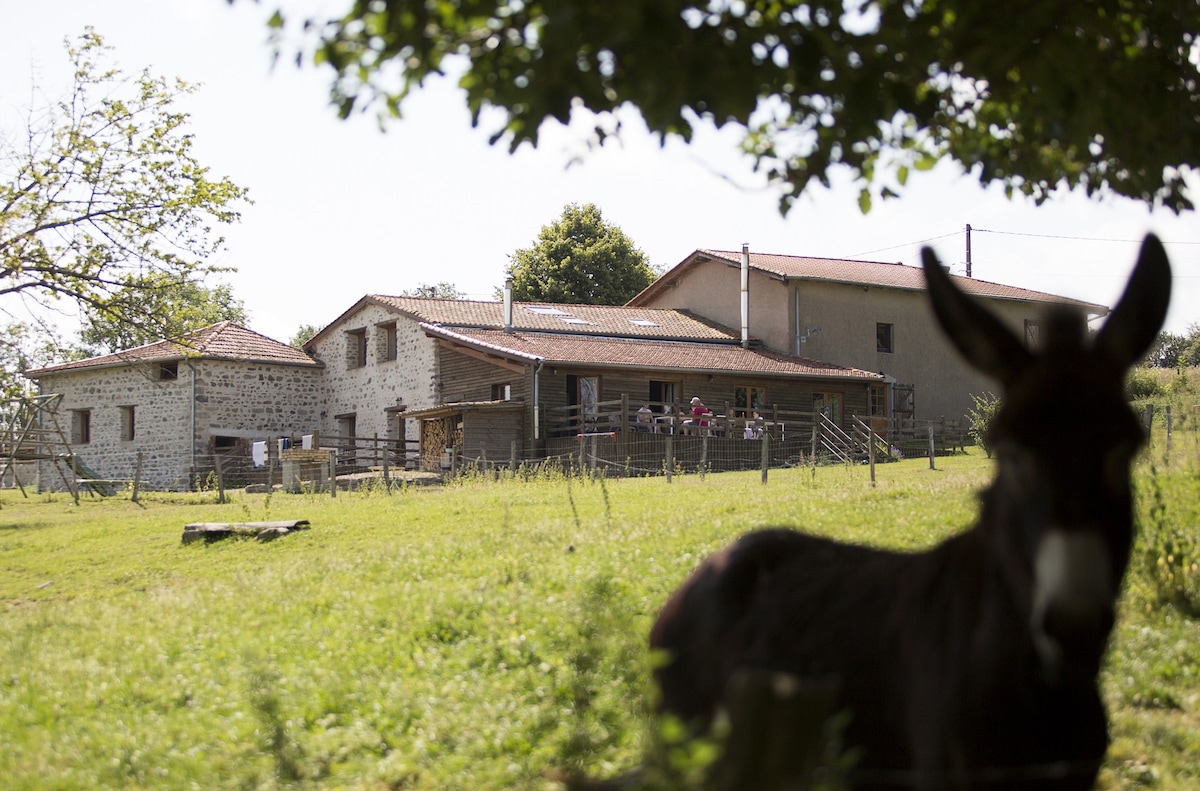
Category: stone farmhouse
[756,337]
[179,403]
[861,314]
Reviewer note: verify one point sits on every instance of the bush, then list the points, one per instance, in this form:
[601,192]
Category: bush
[1142,383]
[979,419]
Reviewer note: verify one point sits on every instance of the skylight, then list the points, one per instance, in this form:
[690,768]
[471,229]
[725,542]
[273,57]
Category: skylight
[545,310]
[643,323]
[573,320]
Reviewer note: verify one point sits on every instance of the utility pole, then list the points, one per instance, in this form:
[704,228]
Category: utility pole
[968,249]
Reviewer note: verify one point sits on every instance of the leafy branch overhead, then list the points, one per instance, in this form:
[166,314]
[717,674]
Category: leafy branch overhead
[104,199]
[1103,96]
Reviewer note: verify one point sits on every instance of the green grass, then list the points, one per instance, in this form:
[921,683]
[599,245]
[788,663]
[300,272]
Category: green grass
[471,637]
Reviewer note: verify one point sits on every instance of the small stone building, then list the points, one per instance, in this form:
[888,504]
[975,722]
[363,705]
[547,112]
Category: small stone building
[178,403]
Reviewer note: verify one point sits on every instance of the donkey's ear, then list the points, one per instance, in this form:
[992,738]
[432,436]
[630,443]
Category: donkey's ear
[976,332]
[1140,312]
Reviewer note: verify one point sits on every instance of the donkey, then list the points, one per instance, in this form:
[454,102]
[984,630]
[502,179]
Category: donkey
[971,665]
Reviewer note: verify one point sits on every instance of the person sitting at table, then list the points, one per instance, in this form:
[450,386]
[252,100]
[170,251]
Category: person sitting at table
[644,418]
[699,415]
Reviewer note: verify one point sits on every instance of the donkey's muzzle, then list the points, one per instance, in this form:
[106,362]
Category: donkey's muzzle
[1073,604]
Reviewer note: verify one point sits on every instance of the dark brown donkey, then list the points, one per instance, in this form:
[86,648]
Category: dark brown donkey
[972,665]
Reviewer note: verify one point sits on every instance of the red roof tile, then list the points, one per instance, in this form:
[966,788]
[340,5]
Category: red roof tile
[662,355]
[221,341]
[862,273]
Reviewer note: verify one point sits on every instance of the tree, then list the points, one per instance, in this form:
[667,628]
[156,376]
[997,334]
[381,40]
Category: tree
[580,259]
[1103,96]
[442,290]
[304,334]
[102,204]
[1166,350]
[183,305]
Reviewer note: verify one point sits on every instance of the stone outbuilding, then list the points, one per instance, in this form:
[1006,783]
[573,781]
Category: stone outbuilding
[177,403]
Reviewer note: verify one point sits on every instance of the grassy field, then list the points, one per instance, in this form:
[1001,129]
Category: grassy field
[468,637]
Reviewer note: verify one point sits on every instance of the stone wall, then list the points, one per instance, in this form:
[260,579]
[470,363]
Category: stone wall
[230,399]
[372,392]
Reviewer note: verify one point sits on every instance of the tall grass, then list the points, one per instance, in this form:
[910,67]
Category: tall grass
[486,635]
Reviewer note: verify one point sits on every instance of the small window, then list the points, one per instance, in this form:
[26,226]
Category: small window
[128,423]
[387,347]
[224,443]
[81,426]
[168,371]
[502,392]
[356,348]
[883,338]
[1033,333]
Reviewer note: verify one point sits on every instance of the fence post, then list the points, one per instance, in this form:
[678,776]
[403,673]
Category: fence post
[387,468]
[766,455]
[332,473]
[1149,420]
[625,416]
[670,462]
[137,477]
[931,451]
[512,456]
[813,450]
[220,479]
[871,452]
[703,451]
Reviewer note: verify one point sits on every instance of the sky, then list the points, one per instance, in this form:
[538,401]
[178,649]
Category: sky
[342,209]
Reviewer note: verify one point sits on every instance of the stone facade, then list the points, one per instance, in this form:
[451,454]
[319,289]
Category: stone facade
[377,364]
[112,413]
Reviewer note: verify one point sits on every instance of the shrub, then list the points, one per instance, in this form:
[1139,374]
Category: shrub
[979,419]
[1142,383]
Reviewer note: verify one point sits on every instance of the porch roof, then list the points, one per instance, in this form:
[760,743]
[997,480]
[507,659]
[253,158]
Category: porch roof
[551,348]
[455,407]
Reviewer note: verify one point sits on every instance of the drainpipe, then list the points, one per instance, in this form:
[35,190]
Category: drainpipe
[508,313]
[192,368]
[745,296]
[799,332]
[537,372]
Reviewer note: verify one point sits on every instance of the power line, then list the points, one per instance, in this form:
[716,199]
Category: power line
[1071,238]
[906,244]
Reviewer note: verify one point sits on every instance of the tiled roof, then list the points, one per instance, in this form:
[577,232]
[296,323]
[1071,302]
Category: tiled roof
[221,341]
[862,273]
[629,353]
[609,320]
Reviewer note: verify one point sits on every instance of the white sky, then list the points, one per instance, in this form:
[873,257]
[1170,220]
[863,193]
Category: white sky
[342,210]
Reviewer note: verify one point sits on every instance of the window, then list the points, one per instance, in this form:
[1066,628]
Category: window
[224,443]
[748,399]
[502,392]
[388,349]
[1033,333]
[883,338]
[169,370]
[877,401]
[356,348]
[830,405]
[128,423]
[81,426]
[665,392]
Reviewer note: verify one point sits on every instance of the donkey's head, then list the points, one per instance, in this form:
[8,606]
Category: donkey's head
[1064,438]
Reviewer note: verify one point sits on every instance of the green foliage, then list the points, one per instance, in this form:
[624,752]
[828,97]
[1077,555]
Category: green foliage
[440,290]
[980,419]
[1171,350]
[1141,383]
[182,305]
[1168,547]
[304,333]
[103,199]
[580,259]
[882,88]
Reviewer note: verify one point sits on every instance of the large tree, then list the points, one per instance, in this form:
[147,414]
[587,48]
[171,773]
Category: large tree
[102,203]
[580,258]
[1101,95]
[183,305]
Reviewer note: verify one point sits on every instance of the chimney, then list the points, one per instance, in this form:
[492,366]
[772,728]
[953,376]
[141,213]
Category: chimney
[745,296]
[508,305]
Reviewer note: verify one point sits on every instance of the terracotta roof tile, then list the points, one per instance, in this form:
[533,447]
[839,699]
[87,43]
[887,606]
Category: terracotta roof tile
[662,355]
[884,275]
[607,320]
[223,341]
